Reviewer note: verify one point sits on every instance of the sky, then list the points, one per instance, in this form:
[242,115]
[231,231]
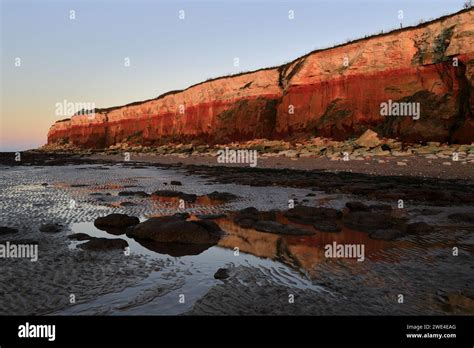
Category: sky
[50,55]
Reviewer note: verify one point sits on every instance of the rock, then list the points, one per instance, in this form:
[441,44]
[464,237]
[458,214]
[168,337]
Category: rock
[127,204]
[174,249]
[182,216]
[175,183]
[462,217]
[368,139]
[389,234]
[51,228]
[174,229]
[278,228]
[357,206]
[382,207]
[187,197]
[134,193]
[222,196]
[115,221]
[104,244]
[418,228]
[79,236]
[211,216]
[327,226]
[7,230]
[222,273]
[308,215]
[401,163]
[372,221]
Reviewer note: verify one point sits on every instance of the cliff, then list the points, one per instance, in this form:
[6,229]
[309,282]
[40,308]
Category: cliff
[335,92]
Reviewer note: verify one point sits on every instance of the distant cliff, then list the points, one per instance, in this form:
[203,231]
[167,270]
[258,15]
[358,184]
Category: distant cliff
[335,92]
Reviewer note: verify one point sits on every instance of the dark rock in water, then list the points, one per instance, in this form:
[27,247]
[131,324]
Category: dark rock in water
[418,228]
[211,216]
[51,228]
[7,230]
[79,236]
[78,185]
[176,183]
[278,228]
[357,206]
[380,207]
[183,216]
[222,273]
[187,197]
[176,230]
[44,184]
[222,196]
[133,193]
[127,204]
[210,226]
[462,217]
[115,221]
[103,244]
[390,234]
[247,217]
[308,215]
[327,226]
[173,249]
[372,221]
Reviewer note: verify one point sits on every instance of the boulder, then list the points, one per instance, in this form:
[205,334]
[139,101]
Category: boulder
[7,230]
[222,273]
[210,216]
[369,139]
[51,228]
[174,229]
[372,221]
[187,197]
[309,215]
[115,221]
[134,193]
[221,196]
[79,236]
[104,244]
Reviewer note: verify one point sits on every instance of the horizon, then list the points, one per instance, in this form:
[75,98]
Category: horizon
[21,130]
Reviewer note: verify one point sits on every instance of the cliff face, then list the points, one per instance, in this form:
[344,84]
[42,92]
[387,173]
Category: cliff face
[334,93]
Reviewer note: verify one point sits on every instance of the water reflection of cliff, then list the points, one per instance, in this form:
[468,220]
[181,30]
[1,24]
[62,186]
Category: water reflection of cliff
[301,252]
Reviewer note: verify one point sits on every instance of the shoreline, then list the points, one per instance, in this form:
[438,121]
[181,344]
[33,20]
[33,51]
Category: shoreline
[406,166]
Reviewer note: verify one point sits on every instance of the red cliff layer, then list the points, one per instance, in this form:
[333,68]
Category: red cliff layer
[335,93]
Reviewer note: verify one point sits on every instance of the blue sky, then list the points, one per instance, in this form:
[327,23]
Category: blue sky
[82,60]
